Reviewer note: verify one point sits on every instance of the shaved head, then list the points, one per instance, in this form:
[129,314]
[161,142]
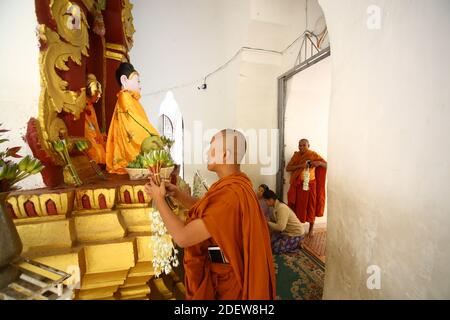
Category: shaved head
[304,140]
[303,145]
[228,146]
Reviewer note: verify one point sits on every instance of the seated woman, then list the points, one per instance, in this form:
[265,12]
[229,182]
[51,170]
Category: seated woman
[262,203]
[287,231]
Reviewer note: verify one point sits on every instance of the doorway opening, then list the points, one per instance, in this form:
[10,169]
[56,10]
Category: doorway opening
[171,125]
[303,110]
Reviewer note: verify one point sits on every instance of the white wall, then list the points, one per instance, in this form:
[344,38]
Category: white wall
[179,41]
[273,25]
[19,84]
[307,111]
[388,150]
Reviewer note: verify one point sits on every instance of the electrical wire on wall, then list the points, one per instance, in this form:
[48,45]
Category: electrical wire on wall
[314,39]
[307,35]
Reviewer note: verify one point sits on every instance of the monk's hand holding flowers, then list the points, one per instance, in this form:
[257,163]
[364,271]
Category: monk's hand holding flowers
[156,192]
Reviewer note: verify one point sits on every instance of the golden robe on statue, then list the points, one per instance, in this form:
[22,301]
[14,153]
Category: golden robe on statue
[93,134]
[129,127]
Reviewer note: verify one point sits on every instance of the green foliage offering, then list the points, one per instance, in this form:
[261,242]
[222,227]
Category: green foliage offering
[156,160]
[137,163]
[60,146]
[155,142]
[81,145]
[150,145]
[11,172]
[167,143]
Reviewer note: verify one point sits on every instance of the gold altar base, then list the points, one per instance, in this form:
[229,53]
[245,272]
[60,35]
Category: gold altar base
[100,233]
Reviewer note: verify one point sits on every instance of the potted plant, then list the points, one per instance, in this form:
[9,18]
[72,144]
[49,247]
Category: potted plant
[10,174]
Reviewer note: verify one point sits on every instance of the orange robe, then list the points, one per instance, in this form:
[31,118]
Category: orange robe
[310,204]
[126,132]
[93,134]
[233,217]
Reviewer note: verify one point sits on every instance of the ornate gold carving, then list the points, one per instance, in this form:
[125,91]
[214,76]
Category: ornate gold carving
[90,5]
[131,196]
[105,75]
[115,46]
[127,23]
[60,202]
[93,198]
[71,41]
[116,56]
[73,28]
[114,263]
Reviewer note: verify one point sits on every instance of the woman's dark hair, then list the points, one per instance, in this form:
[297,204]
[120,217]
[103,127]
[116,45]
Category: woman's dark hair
[264,186]
[269,194]
[124,68]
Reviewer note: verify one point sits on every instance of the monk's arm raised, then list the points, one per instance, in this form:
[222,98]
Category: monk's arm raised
[184,235]
[184,198]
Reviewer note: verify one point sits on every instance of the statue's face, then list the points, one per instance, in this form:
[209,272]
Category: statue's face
[133,83]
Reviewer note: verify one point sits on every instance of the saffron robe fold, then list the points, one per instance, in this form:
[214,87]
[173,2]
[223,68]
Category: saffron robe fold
[129,127]
[92,133]
[233,217]
[310,204]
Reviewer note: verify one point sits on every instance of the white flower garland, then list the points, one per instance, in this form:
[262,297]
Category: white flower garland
[164,253]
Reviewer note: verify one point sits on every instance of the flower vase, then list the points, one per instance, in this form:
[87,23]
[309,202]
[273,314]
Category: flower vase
[10,243]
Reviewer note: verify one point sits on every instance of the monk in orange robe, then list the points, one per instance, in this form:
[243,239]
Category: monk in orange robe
[307,204]
[129,124]
[226,239]
[91,129]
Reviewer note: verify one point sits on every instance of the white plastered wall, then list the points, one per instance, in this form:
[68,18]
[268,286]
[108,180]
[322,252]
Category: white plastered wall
[20,81]
[388,154]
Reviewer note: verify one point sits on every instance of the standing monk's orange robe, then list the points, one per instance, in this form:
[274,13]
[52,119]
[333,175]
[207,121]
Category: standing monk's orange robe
[129,127]
[93,134]
[310,204]
[237,225]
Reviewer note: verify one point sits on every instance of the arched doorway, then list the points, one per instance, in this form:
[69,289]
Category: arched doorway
[171,125]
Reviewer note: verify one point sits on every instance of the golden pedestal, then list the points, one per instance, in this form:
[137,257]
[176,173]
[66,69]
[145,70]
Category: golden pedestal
[100,233]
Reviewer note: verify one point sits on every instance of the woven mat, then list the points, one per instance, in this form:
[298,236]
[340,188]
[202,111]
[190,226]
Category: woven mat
[316,245]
